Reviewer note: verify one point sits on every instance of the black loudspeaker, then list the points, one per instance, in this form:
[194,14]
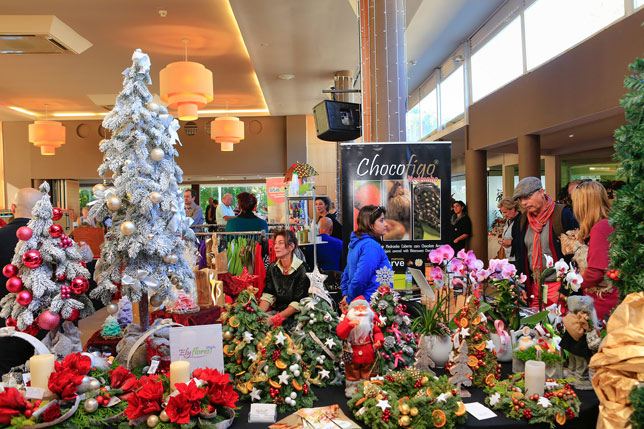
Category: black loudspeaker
[337,121]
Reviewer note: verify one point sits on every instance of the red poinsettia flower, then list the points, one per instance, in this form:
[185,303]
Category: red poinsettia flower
[64,383]
[11,404]
[186,404]
[220,390]
[51,413]
[146,400]
[75,362]
[123,379]
[224,396]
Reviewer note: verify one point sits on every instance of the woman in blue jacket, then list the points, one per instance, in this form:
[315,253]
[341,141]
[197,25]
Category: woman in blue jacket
[366,255]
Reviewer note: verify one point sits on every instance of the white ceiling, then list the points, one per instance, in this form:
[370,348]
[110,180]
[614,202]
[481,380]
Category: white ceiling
[311,39]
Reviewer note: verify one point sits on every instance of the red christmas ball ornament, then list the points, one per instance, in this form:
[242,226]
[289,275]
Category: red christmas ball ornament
[48,320]
[57,213]
[75,315]
[32,259]
[14,284]
[79,285]
[11,322]
[83,263]
[24,297]
[56,231]
[24,233]
[10,270]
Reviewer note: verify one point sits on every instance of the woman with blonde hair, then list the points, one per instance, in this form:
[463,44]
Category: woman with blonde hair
[510,210]
[590,206]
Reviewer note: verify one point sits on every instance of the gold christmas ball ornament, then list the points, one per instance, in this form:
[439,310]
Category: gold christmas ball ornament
[164,417]
[424,380]
[90,405]
[98,188]
[413,412]
[112,308]
[228,336]
[128,227]
[155,197]
[94,384]
[157,154]
[114,203]
[404,421]
[404,408]
[152,421]
[174,279]
[156,301]
[171,259]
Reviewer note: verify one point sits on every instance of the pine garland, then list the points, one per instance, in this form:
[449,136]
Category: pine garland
[637,403]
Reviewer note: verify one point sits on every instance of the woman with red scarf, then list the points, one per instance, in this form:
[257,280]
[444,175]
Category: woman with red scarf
[539,234]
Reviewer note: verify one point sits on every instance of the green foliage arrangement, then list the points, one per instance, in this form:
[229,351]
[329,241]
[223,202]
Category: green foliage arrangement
[531,354]
[637,403]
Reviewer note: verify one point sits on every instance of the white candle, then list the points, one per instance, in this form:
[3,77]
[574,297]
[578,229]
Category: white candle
[41,366]
[179,372]
[535,377]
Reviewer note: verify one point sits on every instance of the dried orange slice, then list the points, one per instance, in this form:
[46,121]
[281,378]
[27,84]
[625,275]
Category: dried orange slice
[560,418]
[490,379]
[228,352]
[461,409]
[464,322]
[297,385]
[234,322]
[249,385]
[279,364]
[360,401]
[378,382]
[472,361]
[274,384]
[430,395]
[240,373]
[480,346]
[439,418]
[517,395]
[476,320]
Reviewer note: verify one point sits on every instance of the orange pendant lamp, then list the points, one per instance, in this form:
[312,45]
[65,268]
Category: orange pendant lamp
[186,86]
[47,135]
[227,130]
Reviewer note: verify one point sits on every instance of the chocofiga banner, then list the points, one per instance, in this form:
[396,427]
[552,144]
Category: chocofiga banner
[412,181]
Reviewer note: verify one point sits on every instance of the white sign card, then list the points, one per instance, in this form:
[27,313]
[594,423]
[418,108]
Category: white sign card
[480,411]
[202,346]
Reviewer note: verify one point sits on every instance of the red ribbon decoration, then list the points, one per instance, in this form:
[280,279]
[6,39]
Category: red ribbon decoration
[398,357]
[394,328]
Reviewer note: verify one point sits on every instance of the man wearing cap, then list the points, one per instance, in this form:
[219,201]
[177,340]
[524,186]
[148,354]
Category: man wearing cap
[540,230]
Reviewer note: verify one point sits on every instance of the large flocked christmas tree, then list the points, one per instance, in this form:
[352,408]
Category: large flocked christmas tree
[47,279]
[626,215]
[143,249]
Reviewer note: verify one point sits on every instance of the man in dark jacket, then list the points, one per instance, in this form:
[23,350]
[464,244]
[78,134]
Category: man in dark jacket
[540,228]
[25,200]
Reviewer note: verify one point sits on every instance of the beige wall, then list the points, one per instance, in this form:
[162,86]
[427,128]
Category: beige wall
[322,157]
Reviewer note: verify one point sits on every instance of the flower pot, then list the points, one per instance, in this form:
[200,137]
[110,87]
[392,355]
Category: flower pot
[439,349]
[506,356]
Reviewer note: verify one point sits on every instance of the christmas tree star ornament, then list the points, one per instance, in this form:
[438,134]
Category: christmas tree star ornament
[280,338]
[255,394]
[443,397]
[324,373]
[248,337]
[489,344]
[252,356]
[330,343]
[383,404]
[465,332]
[496,397]
[284,377]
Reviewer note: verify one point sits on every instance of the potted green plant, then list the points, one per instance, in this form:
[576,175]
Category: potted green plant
[432,326]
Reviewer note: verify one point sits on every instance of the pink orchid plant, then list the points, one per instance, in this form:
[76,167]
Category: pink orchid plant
[503,291]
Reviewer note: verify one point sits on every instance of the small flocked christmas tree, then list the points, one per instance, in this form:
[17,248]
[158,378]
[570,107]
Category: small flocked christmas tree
[244,325]
[625,214]
[399,348]
[280,378]
[480,349]
[143,249]
[111,328]
[460,370]
[315,332]
[47,278]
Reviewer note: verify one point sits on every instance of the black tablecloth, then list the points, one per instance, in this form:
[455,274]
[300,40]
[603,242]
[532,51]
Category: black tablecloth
[335,395]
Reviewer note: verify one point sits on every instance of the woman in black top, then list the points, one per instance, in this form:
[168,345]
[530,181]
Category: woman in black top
[322,206]
[286,280]
[461,226]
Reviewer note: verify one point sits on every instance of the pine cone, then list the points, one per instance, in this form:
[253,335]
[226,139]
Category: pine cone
[370,390]
[398,377]
[422,393]
[390,342]
[414,373]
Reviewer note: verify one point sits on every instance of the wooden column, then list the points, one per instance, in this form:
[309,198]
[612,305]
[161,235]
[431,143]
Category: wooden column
[529,156]
[476,194]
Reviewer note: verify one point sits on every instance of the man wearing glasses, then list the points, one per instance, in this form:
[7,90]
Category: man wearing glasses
[540,230]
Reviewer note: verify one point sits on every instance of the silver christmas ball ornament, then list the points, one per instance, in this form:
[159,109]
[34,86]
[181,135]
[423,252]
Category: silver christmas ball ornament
[152,421]
[157,154]
[94,384]
[98,188]
[180,286]
[150,237]
[114,203]
[112,308]
[293,395]
[174,259]
[153,106]
[127,163]
[128,227]
[156,301]
[90,405]
[155,197]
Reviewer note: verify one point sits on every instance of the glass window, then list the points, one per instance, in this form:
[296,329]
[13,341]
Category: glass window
[413,124]
[552,26]
[498,62]
[452,96]
[428,113]
[638,3]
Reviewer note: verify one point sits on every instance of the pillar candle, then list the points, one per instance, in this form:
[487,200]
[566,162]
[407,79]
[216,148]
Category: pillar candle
[179,372]
[535,377]
[41,366]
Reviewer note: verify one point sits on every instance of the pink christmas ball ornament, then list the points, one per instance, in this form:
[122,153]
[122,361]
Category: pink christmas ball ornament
[75,315]
[24,297]
[24,233]
[57,214]
[56,231]
[14,284]
[48,320]
[32,259]
[9,271]
[79,285]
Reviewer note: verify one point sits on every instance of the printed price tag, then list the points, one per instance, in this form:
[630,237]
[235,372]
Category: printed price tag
[154,365]
[26,378]
[34,393]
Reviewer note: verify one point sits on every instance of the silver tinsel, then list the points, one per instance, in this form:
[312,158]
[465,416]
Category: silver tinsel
[383,305]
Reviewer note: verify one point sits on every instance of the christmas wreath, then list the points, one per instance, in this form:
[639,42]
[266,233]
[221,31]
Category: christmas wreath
[558,404]
[409,398]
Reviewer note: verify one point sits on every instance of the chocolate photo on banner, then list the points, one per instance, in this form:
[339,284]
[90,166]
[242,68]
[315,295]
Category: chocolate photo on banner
[365,193]
[427,211]
[397,199]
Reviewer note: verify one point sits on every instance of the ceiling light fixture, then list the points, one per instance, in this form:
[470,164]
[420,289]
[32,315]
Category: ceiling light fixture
[571,135]
[186,86]
[285,76]
[77,114]
[47,135]
[18,109]
[227,130]
[239,111]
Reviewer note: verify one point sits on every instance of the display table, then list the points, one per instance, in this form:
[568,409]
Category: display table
[335,395]
[206,316]
[100,343]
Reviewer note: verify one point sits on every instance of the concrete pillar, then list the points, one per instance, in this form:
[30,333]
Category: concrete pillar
[553,175]
[384,81]
[476,193]
[529,156]
[508,180]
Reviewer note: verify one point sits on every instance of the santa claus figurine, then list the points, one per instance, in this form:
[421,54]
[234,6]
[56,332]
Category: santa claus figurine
[361,338]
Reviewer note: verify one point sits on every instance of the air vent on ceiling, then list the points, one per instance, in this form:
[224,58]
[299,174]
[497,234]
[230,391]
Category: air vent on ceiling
[39,34]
